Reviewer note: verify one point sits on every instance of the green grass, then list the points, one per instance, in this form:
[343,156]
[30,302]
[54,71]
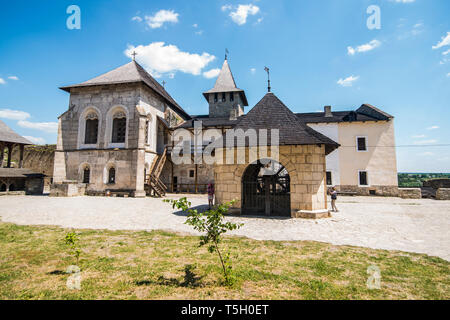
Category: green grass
[163,265]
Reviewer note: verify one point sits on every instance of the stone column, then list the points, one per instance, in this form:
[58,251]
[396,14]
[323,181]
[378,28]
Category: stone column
[21,156]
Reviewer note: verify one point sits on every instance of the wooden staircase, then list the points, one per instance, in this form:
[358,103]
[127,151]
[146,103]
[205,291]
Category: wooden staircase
[153,184]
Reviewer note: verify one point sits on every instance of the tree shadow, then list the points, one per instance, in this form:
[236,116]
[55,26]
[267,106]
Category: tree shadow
[56,272]
[190,280]
[200,208]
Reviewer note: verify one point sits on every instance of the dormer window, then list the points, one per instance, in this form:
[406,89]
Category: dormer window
[224,97]
[216,97]
[231,96]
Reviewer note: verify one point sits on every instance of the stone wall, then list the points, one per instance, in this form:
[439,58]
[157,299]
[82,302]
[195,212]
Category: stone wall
[39,159]
[221,109]
[205,175]
[386,191]
[130,159]
[410,193]
[443,194]
[67,189]
[437,183]
[306,168]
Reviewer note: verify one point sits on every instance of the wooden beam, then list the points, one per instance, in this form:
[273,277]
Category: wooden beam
[2,153]
[10,148]
[21,156]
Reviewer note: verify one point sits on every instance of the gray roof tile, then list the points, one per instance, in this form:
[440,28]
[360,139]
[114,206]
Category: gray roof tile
[130,73]
[8,135]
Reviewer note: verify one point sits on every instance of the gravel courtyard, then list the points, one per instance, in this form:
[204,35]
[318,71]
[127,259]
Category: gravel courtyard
[420,226]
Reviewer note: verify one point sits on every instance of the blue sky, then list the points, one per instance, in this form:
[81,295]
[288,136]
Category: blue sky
[319,52]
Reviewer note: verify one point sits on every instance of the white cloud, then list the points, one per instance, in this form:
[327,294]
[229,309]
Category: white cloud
[253,70]
[403,1]
[241,12]
[14,114]
[159,59]
[136,18]
[35,140]
[364,47]
[419,136]
[199,33]
[428,154]
[2,81]
[50,127]
[448,74]
[423,142]
[160,18]
[446,52]
[347,82]
[445,41]
[226,7]
[13,78]
[213,73]
[195,25]
[433,128]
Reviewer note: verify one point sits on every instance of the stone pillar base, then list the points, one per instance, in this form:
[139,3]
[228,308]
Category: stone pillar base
[316,214]
[139,194]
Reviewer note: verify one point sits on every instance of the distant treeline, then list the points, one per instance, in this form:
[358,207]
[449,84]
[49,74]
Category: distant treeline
[414,180]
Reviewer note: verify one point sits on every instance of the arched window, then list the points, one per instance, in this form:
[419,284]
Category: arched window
[112,175]
[86,174]
[91,130]
[119,127]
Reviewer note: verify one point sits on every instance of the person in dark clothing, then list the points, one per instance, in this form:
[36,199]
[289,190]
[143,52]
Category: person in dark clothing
[333,194]
[210,195]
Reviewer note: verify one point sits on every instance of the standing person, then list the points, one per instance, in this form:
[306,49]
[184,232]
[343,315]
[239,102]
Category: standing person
[210,195]
[333,194]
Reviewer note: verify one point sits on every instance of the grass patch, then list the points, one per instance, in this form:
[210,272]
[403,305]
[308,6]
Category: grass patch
[163,265]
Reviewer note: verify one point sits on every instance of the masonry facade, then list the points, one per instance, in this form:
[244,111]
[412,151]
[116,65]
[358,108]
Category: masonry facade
[115,126]
[119,135]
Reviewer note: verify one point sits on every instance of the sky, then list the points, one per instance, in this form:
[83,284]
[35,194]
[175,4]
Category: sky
[393,54]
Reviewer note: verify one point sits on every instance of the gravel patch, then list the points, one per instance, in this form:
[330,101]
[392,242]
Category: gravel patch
[420,226]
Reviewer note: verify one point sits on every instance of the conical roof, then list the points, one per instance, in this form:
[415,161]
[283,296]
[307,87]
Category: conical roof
[225,83]
[271,113]
[8,135]
[130,73]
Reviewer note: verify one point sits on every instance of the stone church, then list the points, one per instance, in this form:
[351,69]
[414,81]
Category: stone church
[116,138]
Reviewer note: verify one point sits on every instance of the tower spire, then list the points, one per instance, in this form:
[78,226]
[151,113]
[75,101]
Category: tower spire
[268,78]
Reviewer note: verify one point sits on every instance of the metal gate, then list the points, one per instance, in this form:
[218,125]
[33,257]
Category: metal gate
[266,190]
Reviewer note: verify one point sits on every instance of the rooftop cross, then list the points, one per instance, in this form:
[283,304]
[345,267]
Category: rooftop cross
[134,54]
[164,83]
[226,54]
[268,78]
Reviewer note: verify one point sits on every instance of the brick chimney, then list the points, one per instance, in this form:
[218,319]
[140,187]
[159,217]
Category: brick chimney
[327,110]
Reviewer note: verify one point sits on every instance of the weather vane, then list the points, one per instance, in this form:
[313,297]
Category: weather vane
[268,77]
[164,84]
[134,54]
